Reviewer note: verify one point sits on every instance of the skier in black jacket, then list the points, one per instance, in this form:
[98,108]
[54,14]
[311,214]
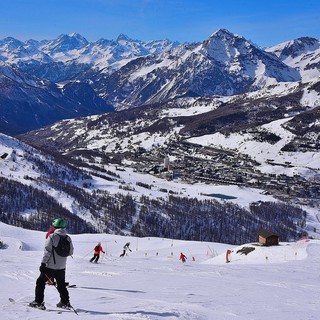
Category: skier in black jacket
[125,248]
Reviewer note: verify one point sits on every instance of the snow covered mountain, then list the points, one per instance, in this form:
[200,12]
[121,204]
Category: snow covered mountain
[268,139]
[225,64]
[302,54]
[126,73]
[28,102]
[63,44]
[147,130]
[73,50]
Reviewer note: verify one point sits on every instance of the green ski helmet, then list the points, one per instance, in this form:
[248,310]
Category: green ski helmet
[58,223]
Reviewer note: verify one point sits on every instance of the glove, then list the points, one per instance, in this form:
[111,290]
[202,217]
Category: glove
[43,268]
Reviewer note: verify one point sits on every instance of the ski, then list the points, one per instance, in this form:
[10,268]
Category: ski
[42,308]
[49,309]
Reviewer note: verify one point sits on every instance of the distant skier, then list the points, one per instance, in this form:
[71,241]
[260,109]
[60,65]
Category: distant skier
[125,248]
[97,249]
[183,258]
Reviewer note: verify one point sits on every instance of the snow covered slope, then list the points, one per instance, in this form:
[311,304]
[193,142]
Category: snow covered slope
[151,283]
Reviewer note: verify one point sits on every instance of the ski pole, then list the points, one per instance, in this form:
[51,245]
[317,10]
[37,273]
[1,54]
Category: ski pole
[56,286]
[212,253]
[193,258]
[87,253]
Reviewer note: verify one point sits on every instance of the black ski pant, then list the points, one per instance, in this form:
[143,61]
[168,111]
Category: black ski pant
[95,258]
[60,277]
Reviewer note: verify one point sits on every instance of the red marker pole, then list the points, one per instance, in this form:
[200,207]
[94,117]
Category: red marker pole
[227,256]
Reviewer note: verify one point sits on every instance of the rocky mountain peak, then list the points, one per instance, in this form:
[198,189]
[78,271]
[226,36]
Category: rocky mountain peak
[295,47]
[123,37]
[10,43]
[223,44]
[66,42]
[222,33]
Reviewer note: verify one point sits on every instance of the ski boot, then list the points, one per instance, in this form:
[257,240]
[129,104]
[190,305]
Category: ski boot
[64,305]
[37,305]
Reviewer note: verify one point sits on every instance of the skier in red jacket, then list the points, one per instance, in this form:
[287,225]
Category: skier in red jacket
[183,258]
[97,249]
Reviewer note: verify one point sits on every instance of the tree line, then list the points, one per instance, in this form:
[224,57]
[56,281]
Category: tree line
[175,217]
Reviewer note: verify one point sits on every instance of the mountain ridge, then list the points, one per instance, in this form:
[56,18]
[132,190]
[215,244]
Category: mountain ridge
[127,73]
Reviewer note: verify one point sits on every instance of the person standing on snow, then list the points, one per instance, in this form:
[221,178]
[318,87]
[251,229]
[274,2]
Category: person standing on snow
[125,248]
[50,231]
[97,249]
[53,267]
[183,258]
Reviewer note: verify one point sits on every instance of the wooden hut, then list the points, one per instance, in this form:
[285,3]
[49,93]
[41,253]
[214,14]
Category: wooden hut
[268,238]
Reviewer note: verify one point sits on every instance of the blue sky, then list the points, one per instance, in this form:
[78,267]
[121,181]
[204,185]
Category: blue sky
[266,23]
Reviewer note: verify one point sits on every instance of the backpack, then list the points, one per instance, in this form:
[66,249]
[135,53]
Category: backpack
[96,248]
[63,247]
